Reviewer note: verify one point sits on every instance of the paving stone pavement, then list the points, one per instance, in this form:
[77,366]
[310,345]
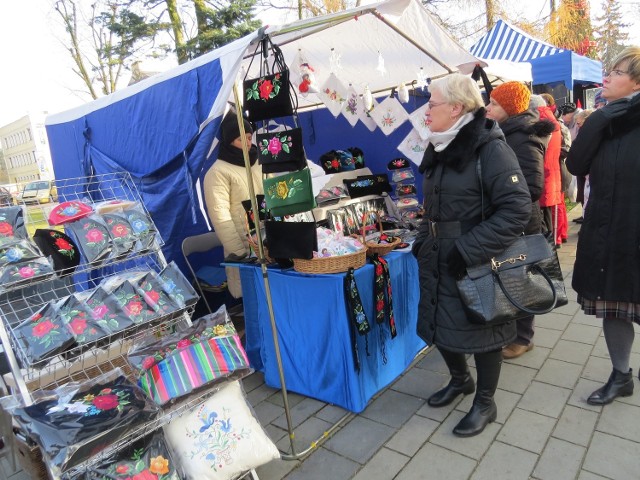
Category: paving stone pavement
[545,430]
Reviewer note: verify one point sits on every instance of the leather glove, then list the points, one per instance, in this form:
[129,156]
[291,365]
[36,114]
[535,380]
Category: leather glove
[456,264]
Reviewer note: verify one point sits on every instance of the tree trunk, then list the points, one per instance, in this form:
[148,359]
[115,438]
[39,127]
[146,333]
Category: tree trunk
[176,26]
[201,17]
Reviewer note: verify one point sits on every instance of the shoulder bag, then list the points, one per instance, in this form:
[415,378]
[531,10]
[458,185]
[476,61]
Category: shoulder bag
[525,279]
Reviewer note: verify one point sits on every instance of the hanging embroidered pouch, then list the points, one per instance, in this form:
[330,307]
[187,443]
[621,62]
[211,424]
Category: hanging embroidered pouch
[281,151]
[290,193]
[267,96]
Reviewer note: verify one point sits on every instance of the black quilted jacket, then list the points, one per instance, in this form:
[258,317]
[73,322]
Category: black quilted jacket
[452,193]
[608,150]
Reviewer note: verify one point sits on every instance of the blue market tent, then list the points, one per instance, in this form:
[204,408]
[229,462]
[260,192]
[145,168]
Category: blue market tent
[163,129]
[549,64]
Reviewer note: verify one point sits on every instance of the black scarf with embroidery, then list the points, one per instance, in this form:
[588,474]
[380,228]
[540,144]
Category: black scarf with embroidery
[234,155]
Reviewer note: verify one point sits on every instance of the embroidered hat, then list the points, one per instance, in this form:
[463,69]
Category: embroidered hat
[59,246]
[330,162]
[358,156]
[513,97]
[69,212]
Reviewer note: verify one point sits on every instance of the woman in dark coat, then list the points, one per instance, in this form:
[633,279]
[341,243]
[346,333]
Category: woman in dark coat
[453,235]
[607,269]
[528,136]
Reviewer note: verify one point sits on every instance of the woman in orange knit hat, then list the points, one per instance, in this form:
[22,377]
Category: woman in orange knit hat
[528,136]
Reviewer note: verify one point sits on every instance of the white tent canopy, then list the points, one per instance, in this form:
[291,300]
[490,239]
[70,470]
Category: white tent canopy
[502,70]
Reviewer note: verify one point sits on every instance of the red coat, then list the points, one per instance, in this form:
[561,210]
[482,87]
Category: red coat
[552,190]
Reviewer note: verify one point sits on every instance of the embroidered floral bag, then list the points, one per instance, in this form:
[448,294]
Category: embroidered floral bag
[290,193]
[269,95]
[281,151]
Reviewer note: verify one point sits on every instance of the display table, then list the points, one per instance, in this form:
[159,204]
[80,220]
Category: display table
[314,331]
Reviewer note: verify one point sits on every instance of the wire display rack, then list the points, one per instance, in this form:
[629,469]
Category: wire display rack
[20,300]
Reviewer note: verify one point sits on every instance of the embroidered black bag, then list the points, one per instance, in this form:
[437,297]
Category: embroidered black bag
[281,151]
[291,239]
[525,279]
[269,95]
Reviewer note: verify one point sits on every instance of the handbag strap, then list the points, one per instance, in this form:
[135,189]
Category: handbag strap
[525,309]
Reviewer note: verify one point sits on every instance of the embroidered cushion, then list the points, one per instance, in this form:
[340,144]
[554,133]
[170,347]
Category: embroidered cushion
[221,438]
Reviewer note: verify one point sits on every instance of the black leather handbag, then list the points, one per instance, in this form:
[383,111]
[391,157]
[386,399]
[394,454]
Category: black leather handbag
[525,279]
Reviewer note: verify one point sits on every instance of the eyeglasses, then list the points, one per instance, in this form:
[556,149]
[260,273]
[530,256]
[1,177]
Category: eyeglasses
[615,72]
[434,104]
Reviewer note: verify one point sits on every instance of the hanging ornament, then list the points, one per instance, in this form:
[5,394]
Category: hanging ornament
[380,66]
[403,93]
[334,61]
[305,74]
[421,79]
[367,97]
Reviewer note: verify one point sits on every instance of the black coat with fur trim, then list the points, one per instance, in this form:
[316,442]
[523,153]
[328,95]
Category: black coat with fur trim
[529,136]
[452,192]
[607,149]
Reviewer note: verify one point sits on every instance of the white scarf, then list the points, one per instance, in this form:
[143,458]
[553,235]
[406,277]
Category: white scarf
[441,140]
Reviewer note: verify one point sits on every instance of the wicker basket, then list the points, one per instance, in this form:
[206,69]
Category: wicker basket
[30,459]
[254,246]
[375,247]
[334,264]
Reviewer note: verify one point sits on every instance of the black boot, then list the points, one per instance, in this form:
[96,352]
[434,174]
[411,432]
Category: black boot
[460,383]
[619,385]
[483,411]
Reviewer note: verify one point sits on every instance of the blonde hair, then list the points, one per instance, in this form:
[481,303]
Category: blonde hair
[631,55]
[461,89]
[583,114]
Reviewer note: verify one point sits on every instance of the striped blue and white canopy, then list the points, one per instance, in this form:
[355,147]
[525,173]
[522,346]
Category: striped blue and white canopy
[507,42]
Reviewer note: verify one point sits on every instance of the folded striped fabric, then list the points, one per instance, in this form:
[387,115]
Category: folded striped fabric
[187,369]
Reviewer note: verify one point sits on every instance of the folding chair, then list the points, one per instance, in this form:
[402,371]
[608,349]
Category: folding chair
[207,274]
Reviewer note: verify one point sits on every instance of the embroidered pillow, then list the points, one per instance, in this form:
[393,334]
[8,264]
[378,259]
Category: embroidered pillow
[221,438]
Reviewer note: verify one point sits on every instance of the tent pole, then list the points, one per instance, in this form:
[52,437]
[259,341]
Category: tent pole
[263,265]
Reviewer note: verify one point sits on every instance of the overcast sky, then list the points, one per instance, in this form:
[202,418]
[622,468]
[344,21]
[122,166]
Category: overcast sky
[36,72]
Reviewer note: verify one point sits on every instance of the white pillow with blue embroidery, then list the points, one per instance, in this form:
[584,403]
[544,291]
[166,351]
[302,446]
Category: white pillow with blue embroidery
[219,439]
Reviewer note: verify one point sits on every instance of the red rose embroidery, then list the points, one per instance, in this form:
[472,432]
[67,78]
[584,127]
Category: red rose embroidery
[378,269]
[122,469]
[148,362]
[335,163]
[145,475]
[266,88]
[379,305]
[41,329]
[152,297]
[134,308]
[120,230]
[105,391]
[36,317]
[78,325]
[106,402]
[94,235]
[185,342]
[62,244]
[100,311]
[6,229]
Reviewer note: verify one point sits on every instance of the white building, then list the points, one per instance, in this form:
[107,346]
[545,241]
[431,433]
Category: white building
[26,149]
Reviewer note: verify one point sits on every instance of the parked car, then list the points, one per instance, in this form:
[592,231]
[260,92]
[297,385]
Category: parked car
[6,199]
[39,191]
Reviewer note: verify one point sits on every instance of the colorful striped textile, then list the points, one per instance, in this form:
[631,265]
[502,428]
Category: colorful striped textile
[187,369]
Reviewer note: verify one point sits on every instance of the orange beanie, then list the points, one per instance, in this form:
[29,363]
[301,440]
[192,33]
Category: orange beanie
[513,97]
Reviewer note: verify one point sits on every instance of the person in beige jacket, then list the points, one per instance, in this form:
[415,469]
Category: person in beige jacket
[225,187]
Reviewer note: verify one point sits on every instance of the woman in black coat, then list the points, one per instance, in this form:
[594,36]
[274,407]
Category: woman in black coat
[607,269]
[528,137]
[460,228]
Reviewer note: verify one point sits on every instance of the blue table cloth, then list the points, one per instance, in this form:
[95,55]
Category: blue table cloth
[314,331]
